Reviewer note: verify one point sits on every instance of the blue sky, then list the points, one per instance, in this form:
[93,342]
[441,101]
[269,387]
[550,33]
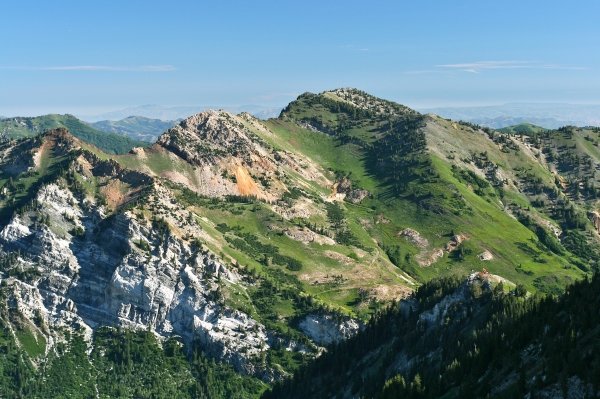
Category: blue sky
[86,57]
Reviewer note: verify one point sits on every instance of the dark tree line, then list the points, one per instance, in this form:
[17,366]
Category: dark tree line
[489,339]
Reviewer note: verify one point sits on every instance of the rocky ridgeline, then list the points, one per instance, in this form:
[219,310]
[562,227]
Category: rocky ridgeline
[230,158]
[227,157]
[209,136]
[365,101]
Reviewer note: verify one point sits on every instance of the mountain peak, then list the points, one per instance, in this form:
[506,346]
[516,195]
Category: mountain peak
[210,117]
[62,135]
[366,101]
[206,136]
[59,131]
[347,100]
[224,153]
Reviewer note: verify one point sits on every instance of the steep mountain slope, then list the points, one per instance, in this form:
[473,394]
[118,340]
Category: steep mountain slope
[220,155]
[461,181]
[96,244]
[258,243]
[30,126]
[470,339]
[136,127]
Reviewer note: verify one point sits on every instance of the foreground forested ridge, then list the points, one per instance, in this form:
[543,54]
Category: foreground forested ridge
[247,246]
[122,364]
[451,339]
[466,340]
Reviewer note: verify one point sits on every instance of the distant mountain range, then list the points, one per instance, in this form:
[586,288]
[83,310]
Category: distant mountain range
[147,122]
[112,143]
[523,128]
[136,127]
[167,113]
[123,133]
[547,115]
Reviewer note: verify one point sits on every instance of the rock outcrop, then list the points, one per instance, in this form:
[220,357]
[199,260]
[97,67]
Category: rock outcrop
[414,237]
[204,138]
[307,236]
[485,255]
[595,218]
[354,195]
[325,329]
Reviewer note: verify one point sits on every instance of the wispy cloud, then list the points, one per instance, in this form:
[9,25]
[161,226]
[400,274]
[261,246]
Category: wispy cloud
[479,66]
[95,68]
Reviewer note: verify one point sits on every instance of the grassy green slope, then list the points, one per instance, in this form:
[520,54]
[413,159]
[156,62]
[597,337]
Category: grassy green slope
[19,186]
[483,218]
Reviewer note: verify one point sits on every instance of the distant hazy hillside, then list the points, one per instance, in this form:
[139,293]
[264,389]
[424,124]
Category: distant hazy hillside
[523,128]
[507,121]
[136,127]
[166,113]
[550,116]
[18,127]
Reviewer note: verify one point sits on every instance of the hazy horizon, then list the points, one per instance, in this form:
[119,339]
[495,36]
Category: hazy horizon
[83,58]
[93,114]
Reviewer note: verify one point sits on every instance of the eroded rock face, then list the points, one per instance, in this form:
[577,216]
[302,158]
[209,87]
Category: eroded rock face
[230,157]
[207,136]
[81,269]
